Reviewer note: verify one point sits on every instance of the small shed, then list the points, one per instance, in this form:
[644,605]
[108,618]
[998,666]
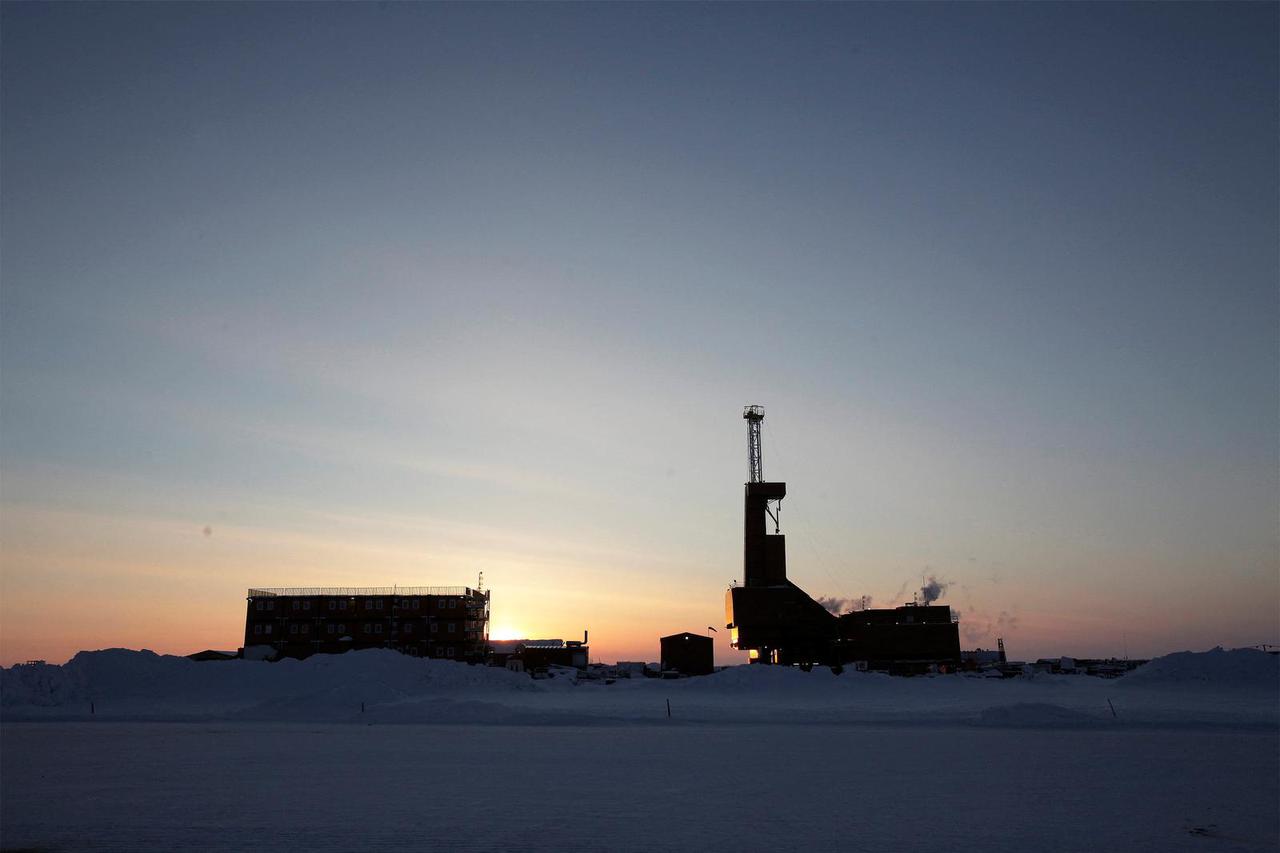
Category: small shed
[688,654]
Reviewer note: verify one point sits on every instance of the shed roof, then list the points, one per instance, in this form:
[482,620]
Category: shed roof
[686,635]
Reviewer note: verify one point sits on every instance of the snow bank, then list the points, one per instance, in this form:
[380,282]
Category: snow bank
[121,683]
[1247,668]
[1217,688]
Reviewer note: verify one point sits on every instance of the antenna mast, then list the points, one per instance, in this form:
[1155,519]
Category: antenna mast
[753,415]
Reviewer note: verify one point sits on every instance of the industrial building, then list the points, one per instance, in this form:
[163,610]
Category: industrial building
[687,654]
[776,622]
[979,658]
[426,621]
[535,656]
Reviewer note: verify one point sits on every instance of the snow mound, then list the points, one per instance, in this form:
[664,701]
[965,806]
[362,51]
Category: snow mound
[1221,668]
[1235,689]
[145,685]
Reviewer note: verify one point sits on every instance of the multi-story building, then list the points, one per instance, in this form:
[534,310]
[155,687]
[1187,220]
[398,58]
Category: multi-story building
[425,621]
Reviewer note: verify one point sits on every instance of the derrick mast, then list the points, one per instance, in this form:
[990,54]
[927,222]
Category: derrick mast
[768,616]
[754,415]
[764,555]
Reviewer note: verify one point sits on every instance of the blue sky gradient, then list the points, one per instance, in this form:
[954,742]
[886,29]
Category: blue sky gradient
[390,293]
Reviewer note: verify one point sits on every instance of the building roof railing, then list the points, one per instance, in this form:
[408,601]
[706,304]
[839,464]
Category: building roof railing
[272,592]
[542,644]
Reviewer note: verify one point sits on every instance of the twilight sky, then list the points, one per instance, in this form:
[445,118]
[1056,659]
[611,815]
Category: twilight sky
[373,294]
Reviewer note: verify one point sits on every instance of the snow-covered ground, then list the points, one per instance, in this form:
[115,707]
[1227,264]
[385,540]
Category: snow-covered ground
[247,755]
[1235,689]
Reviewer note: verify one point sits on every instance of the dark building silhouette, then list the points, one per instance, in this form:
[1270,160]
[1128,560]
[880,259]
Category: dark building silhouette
[537,655]
[688,654]
[777,622]
[984,657]
[906,638]
[428,621]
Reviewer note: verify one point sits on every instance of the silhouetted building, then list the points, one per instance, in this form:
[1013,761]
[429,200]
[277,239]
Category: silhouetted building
[536,655]
[777,622]
[502,651]
[910,638]
[979,658]
[436,622]
[688,654]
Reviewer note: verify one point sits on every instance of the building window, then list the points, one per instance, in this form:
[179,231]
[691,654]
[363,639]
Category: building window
[306,605]
[259,604]
[342,629]
[329,628]
[408,627]
[377,629]
[453,603]
[415,603]
[435,627]
[293,629]
[453,627]
[342,605]
[377,604]
[306,629]
[296,604]
[266,629]
[271,605]
[449,653]
[368,629]
[333,604]
[257,629]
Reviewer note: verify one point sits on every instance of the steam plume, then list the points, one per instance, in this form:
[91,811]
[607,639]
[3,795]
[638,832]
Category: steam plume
[932,590]
[835,605]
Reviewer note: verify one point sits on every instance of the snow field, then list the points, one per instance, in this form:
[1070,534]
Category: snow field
[1183,754]
[709,786]
[1235,689]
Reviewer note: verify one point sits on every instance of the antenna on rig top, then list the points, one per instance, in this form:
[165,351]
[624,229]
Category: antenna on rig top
[753,415]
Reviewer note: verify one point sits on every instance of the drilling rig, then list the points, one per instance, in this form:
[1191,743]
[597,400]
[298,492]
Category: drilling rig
[776,622]
[768,616]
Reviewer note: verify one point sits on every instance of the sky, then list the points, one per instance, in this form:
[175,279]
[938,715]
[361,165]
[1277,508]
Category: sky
[379,293]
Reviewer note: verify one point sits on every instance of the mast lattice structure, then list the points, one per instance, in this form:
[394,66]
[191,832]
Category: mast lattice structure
[753,415]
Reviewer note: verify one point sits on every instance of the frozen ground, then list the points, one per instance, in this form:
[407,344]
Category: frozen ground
[240,755]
